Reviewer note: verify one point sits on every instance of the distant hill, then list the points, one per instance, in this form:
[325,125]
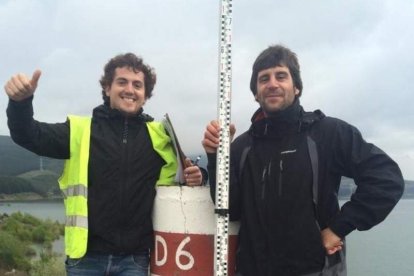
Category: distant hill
[25,175]
[348,187]
[30,185]
[409,189]
[22,171]
[44,183]
[15,160]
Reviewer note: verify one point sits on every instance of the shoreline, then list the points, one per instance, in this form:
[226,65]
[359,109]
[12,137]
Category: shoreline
[33,197]
[4,199]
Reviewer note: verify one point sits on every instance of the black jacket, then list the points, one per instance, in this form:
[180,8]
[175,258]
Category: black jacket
[286,191]
[123,170]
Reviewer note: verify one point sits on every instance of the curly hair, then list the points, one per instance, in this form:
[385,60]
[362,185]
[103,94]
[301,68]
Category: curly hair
[134,62]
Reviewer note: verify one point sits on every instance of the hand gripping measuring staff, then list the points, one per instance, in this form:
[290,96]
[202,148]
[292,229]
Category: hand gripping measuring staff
[221,238]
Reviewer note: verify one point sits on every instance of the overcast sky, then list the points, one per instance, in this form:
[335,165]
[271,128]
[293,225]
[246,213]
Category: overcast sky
[356,59]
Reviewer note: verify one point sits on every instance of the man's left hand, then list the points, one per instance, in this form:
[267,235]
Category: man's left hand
[192,174]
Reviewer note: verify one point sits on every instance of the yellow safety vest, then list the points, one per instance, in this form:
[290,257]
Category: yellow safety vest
[74,179]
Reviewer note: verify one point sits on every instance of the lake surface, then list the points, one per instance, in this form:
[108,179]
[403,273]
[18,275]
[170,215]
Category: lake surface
[47,209]
[385,250]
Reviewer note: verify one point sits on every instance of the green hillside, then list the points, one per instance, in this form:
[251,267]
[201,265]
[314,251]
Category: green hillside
[15,160]
[30,185]
[44,183]
[24,174]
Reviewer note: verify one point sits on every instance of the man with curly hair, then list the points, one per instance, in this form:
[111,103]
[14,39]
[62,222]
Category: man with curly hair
[114,161]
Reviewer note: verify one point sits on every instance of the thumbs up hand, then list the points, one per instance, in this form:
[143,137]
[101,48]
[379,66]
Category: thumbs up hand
[21,87]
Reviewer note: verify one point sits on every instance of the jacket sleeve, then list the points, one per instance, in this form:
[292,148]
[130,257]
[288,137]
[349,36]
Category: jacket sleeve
[379,181]
[50,140]
[234,192]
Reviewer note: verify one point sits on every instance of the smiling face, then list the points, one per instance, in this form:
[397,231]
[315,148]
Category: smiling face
[275,89]
[127,91]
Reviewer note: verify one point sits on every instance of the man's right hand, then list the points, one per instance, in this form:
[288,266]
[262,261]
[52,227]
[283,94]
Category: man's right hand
[331,241]
[20,87]
[212,136]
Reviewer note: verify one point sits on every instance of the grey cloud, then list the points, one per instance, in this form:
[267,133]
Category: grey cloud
[356,59]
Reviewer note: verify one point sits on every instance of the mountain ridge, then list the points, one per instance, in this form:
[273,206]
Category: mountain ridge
[23,171]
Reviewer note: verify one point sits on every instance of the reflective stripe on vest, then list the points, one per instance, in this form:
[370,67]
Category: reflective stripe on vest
[79,221]
[74,180]
[75,190]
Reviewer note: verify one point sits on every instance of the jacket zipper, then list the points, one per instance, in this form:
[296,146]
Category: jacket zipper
[125,132]
[280,184]
[125,174]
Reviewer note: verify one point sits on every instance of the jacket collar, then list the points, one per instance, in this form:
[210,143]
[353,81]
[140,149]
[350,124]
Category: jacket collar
[292,119]
[279,123]
[104,111]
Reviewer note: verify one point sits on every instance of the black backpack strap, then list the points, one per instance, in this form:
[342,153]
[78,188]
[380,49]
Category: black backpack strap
[307,121]
[243,157]
[313,153]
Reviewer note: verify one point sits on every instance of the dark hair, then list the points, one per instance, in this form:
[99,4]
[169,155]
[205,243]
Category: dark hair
[134,62]
[273,56]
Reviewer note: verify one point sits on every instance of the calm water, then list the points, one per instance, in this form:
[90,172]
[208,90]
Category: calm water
[53,210]
[385,250]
